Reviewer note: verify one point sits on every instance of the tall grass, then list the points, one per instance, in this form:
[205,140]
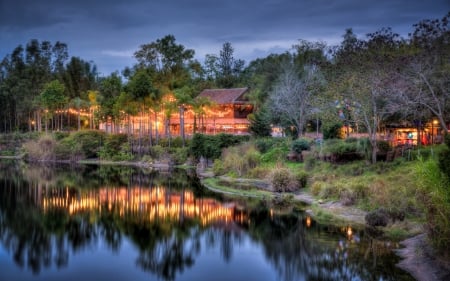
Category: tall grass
[434,195]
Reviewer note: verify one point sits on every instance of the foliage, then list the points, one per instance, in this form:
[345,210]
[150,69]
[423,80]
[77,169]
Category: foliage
[210,146]
[435,199]
[264,144]
[302,178]
[444,158]
[260,125]
[90,142]
[300,145]
[238,160]
[179,155]
[277,152]
[282,180]
[339,150]
[41,150]
[113,145]
[332,130]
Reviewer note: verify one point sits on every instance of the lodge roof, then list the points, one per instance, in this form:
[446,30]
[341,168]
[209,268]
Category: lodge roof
[225,96]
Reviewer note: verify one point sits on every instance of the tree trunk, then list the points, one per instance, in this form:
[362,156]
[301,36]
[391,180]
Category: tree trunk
[182,124]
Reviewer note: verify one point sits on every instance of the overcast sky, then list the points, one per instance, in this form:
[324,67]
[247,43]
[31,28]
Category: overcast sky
[109,32]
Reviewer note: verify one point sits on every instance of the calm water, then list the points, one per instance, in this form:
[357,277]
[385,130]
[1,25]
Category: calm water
[116,223]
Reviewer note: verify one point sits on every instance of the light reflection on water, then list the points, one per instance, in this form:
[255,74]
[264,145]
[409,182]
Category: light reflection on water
[112,223]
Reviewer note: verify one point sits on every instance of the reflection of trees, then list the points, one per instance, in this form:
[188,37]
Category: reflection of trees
[39,236]
[168,242]
[171,254]
[298,253]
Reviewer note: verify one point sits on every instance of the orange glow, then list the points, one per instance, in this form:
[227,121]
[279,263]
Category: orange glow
[153,204]
[308,221]
[349,232]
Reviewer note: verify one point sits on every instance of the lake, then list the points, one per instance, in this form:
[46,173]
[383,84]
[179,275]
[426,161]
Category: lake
[90,222]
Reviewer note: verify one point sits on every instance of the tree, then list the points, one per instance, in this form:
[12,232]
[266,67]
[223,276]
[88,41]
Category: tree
[184,98]
[367,80]
[260,125]
[225,69]
[292,97]
[427,71]
[168,66]
[52,98]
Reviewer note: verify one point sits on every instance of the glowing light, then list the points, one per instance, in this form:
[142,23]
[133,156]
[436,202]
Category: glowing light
[308,221]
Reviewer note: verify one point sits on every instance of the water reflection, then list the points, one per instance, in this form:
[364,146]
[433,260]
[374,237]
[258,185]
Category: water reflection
[49,216]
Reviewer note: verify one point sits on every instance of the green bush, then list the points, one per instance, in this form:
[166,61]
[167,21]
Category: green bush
[301,178]
[156,151]
[179,155]
[218,167]
[90,141]
[300,145]
[332,131]
[341,151]
[211,147]
[114,144]
[444,158]
[69,149]
[265,144]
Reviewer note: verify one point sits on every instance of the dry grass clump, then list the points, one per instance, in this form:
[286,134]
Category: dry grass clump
[43,149]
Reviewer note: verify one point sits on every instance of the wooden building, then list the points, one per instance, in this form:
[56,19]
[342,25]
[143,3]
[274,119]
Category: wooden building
[224,111]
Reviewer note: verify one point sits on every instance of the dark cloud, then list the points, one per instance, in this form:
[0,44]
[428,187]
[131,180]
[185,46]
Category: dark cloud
[108,32]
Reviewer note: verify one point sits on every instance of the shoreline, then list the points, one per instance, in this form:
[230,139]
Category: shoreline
[416,254]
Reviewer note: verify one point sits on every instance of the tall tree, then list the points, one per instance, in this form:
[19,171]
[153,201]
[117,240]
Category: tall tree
[427,69]
[367,80]
[224,68]
[293,95]
[53,99]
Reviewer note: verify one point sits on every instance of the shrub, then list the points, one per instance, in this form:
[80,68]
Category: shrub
[157,151]
[316,187]
[282,180]
[301,178]
[211,147]
[240,159]
[218,167]
[347,197]
[90,141]
[258,172]
[310,162]
[113,145]
[377,217]
[69,149]
[300,145]
[264,144]
[42,149]
[179,155]
[444,158]
[332,131]
[341,151]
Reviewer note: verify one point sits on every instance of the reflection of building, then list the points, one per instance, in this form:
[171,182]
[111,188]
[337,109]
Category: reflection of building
[150,204]
[218,111]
